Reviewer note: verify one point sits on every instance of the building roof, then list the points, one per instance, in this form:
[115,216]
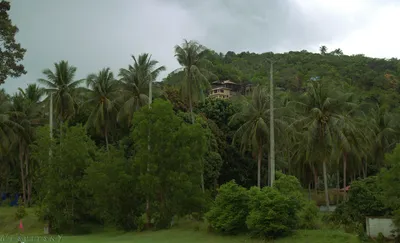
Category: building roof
[228,82]
[220,88]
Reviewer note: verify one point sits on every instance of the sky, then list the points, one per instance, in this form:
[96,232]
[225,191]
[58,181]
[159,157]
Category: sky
[93,34]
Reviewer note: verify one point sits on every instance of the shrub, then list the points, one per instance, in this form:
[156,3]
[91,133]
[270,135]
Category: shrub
[272,214]
[230,209]
[21,212]
[365,198]
[289,186]
[308,216]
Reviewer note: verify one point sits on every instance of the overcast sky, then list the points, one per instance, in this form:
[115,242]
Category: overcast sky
[92,34]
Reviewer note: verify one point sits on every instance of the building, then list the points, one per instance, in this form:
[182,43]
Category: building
[227,89]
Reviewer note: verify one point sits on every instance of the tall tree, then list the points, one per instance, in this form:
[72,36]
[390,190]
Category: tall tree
[254,118]
[135,84]
[322,123]
[33,93]
[8,128]
[26,112]
[194,75]
[11,52]
[62,85]
[103,91]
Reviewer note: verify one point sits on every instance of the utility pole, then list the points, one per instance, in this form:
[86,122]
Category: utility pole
[272,127]
[51,120]
[149,148]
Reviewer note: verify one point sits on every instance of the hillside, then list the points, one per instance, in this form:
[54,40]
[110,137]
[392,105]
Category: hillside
[377,79]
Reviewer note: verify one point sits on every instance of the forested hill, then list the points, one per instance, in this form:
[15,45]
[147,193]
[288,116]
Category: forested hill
[376,78]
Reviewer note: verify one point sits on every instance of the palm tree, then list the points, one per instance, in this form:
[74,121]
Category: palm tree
[33,93]
[65,89]
[384,131]
[194,75]
[323,50]
[322,123]
[102,93]
[8,127]
[26,112]
[253,134]
[355,141]
[135,84]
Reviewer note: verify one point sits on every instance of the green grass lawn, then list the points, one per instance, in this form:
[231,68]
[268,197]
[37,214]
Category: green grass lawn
[185,232]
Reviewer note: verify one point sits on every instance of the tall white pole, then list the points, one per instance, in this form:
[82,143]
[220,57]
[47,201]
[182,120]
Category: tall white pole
[51,121]
[51,116]
[272,127]
[148,147]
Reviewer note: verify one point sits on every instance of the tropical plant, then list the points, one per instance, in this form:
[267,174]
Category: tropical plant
[321,122]
[61,84]
[254,118]
[102,93]
[26,112]
[193,73]
[135,84]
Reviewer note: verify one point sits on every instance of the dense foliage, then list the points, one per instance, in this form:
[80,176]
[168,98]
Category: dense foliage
[132,153]
[11,52]
[268,212]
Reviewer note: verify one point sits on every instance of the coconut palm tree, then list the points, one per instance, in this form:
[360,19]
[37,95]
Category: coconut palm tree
[8,128]
[193,73]
[384,132]
[33,93]
[321,122]
[254,118]
[135,84]
[65,89]
[101,99]
[25,114]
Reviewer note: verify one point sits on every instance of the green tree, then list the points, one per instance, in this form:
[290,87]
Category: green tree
[253,133]
[26,112]
[11,52]
[322,123]
[102,94]
[323,50]
[7,126]
[107,181]
[135,84]
[61,197]
[65,89]
[167,170]
[389,181]
[253,118]
[193,74]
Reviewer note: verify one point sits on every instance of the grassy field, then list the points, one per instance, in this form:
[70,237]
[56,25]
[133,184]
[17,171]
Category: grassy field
[188,232]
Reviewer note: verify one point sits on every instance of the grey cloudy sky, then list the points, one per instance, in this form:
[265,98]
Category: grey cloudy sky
[92,34]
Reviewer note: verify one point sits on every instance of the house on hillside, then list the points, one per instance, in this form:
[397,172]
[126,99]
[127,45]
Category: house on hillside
[227,89]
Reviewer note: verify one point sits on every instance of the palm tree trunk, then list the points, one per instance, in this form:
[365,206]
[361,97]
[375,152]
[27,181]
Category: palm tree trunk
[337,185]
[345,174]
[325,183]
[28,179]
[259,166]
[21,163]
[191,109]
[365,167]
[315,177]
[106,137]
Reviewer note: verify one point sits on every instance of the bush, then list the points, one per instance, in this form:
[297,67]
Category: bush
[308,216]
[21,212]
[365,198]
[272,214]
[230,209]
[289,186]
